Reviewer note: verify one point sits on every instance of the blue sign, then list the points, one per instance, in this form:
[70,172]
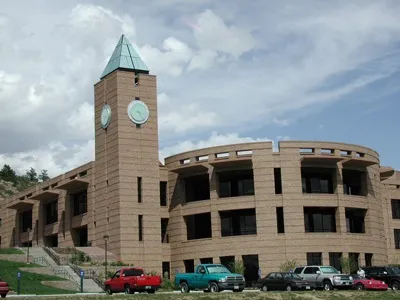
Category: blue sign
[82,273]
[19,274]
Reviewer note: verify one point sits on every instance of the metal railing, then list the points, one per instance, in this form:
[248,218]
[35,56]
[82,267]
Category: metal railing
[93,275]
[60,261]
[89,274]
[58,272]
[53,256]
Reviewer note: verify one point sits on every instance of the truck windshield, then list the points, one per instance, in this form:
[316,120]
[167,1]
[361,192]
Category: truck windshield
[329,270]
[217,269]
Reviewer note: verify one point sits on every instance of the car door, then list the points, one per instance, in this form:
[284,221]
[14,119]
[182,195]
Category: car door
[384,275]
[279,282]
[117,284]
[270,281]
[199,281]
[310,274]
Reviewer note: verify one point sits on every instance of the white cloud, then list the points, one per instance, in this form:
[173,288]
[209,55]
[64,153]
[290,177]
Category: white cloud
[55,157]
[180,119]
[170,61]
[203,60]
[211,33]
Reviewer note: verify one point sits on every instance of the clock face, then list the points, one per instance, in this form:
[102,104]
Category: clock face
[138,112]
[105,116]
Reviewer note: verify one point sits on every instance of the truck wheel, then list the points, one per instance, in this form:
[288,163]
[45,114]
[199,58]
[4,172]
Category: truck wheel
[128,289]
[288,288]
[3,295]
[214,287]
[327,285]
[184,287]
[108,290]
[395,285]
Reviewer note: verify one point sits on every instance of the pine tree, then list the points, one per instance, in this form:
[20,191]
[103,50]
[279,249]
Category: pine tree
[43,176]
[32,175]
[8,174]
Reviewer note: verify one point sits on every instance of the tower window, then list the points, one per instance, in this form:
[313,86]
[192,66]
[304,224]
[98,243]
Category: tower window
[140,226]
[280,220]
[136,79]
[139,189]
[278,180]
[163,193]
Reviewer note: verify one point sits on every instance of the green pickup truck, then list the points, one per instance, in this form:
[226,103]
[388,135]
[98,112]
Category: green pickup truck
[210,278]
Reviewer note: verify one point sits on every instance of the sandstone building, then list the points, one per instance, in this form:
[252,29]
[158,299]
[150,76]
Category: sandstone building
[309,201]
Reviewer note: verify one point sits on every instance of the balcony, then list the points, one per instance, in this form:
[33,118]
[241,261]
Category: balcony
[318,180]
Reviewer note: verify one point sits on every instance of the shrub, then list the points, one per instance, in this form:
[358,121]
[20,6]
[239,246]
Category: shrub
[237,267]
[167,284]
[288,265]
[79,257]
[348,265]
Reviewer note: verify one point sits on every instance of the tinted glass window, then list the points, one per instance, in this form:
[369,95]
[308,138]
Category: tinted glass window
[372,271]
[308,271]
[298,270]
[133,272]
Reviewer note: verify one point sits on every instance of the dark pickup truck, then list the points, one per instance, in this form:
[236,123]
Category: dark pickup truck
[210,278]
[131,280]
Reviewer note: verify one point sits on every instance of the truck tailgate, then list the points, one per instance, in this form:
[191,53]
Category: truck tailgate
[148,280]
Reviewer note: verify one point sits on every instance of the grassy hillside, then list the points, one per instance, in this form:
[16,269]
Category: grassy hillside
[30,282]
[12,183]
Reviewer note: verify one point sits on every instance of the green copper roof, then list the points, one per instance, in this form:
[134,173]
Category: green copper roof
[125,57]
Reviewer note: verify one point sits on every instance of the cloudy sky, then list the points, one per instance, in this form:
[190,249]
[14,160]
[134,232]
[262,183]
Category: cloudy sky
[228,71]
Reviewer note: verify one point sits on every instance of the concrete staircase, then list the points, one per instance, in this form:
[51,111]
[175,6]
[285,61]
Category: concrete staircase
[39,256]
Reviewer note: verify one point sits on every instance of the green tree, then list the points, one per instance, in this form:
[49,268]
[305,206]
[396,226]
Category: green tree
[8,174]
[43,176]
[32,175]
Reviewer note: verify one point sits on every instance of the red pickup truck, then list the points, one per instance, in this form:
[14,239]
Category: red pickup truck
[131,280]
[4,289]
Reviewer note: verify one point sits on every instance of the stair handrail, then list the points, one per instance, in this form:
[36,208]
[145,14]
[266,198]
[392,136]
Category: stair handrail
[57,272]
[91,274]
[50,252]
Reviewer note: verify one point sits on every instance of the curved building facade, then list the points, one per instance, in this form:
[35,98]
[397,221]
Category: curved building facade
[310,202]
[313,202]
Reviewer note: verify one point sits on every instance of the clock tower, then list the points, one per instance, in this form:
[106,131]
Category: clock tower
[127,180]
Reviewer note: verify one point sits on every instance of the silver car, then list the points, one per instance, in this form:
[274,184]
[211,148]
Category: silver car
[325,277]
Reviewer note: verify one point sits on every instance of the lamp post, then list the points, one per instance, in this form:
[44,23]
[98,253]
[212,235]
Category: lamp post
[105,237]
[27,252]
